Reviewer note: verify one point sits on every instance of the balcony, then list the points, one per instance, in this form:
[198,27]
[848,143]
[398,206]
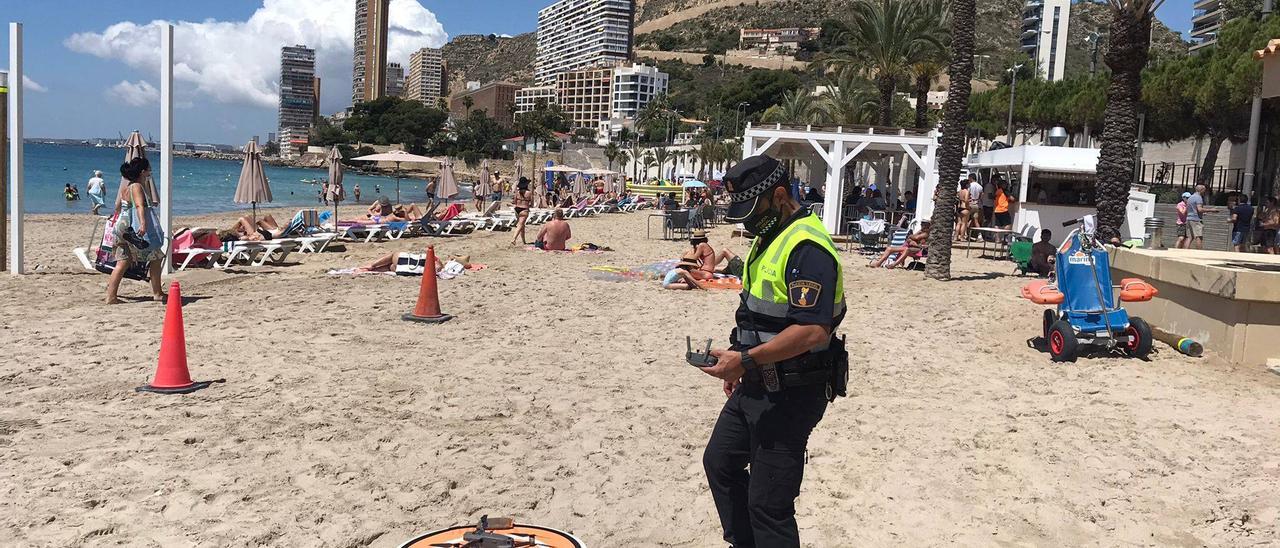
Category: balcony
[1207,5]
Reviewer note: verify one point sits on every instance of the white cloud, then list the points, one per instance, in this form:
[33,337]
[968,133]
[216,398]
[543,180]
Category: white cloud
[238,62]
[134,94]
[32,85]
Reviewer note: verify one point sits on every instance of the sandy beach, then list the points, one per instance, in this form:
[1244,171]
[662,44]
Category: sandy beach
[564,400]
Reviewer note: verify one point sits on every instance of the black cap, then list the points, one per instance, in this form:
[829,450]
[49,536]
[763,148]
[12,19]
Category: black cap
[749,179]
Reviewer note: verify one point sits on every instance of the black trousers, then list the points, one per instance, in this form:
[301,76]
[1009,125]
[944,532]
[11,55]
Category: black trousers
[769,432]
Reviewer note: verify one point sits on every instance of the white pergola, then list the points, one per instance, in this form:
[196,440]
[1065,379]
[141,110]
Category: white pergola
[837,147]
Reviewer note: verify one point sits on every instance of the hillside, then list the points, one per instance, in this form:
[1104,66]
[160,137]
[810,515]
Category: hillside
[999,26]
[486,58]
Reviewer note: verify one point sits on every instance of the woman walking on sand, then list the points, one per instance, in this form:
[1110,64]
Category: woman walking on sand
[522,200]
[137,235]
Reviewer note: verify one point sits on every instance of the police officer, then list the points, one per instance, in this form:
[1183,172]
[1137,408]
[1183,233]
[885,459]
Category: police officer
[784,365]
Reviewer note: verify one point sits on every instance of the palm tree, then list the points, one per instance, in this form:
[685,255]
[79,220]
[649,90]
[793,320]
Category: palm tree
[467,103]
[636,154]
[661,155]
[848,99]
[951,153]
[885,36]
[797,107]
[1126,55]
[732,152]
[623,158]
[929,57]
[611,152]
[648,162]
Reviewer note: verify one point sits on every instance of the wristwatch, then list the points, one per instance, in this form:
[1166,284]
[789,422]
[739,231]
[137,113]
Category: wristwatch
[748,362]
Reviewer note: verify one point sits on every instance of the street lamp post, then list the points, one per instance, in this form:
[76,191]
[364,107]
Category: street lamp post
[1013,88]
[737,120]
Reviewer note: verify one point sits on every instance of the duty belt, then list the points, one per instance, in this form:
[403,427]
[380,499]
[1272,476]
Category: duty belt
[749,338]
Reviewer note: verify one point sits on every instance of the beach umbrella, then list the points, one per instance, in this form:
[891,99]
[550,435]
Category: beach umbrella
[579,185]
[562,169]
[399,157]
[484,187]
[135,147]
[253,186]
[335,181]
[694,184]
[448,186]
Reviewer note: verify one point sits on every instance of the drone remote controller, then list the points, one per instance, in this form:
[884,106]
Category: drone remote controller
[698,359]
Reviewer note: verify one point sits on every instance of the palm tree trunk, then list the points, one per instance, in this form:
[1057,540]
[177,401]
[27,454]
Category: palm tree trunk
[886,85]
[1126,55]
[922,101]
[951,147]
[1205,177]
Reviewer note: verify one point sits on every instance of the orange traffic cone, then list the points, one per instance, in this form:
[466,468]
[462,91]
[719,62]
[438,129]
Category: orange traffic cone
[171,375]
[428,307]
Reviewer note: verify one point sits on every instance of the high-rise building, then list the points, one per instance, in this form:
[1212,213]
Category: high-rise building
[497,99]
[426,69]
[315,99]
[634,87]
[297,94]
[585,96]
[395,80]
[578,34]
[368,69]
[1044,35]
[1207,18]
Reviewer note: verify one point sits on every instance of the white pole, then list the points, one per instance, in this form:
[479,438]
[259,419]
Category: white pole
[166,143]
[15,149]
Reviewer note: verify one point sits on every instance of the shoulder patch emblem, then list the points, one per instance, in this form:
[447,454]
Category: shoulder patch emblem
[804,293]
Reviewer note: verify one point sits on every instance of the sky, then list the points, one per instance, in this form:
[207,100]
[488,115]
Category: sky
[93,67]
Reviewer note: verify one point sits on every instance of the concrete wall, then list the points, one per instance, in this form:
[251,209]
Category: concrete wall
[777,63]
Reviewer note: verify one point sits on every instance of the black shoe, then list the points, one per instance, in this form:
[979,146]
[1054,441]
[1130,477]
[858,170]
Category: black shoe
[134,240]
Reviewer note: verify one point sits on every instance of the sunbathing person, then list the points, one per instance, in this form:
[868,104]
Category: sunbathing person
[387,263]
[708,259]
[681,277]
[915,243]
[245,230]
[554,234]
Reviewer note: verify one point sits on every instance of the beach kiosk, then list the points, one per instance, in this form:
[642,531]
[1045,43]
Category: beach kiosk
[835,150]
[1054,184]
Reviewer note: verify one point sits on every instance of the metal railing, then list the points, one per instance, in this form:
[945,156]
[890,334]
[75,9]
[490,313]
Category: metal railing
[1184,177]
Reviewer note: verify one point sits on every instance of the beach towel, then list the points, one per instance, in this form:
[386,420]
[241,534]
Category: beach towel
[573,250]
[652,271]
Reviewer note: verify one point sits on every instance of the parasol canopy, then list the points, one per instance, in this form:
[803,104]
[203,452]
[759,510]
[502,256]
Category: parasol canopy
[448,185]
[399,157]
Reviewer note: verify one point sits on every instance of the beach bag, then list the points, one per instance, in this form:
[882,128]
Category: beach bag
[410,264]
[105,260]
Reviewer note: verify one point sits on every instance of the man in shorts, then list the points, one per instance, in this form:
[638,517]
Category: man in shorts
[1195,218]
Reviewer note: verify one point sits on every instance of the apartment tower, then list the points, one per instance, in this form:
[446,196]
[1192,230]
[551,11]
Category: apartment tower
[298,95]
[368,69]
[579,34]
[425,81]
[1044,36]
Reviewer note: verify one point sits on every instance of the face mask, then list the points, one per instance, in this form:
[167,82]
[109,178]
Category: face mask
[766,224]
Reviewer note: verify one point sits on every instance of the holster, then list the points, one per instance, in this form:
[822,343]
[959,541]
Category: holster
[829,367]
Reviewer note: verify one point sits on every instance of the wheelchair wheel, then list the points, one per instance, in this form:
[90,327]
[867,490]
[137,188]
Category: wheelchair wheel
[1139,333]
[1050,316]
[1063,344]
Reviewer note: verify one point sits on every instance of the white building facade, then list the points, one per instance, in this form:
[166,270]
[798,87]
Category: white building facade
[527,98]
[578,34]
[634,87]
[1044,36]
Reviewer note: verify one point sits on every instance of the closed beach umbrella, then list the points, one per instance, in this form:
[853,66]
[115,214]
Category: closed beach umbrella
[448,186]
[135,147]
[253,187]
[611,183]
[484,187]
[580,185]
[335,181]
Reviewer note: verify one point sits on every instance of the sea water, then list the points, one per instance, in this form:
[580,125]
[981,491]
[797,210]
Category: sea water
[199,185]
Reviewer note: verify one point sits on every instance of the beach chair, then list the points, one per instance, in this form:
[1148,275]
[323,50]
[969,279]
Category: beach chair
[676,224]
[195,246]
[898,239]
